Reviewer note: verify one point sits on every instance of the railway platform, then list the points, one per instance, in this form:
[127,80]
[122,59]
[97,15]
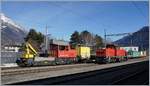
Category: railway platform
[36,74]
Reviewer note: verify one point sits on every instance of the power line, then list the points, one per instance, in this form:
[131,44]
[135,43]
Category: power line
[78,14]
[140,11]
[119,34]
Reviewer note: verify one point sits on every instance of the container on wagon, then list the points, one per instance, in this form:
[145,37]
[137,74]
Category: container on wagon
[130,48]
[142,53]
[83,52]
[133,54]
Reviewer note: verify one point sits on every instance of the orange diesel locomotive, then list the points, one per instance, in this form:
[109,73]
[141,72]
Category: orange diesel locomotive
[110,54]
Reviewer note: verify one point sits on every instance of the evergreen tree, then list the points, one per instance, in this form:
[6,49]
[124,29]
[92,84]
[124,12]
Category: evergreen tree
[98,41]
[40,37]
[75,38]
[87,39]
[35,38]
[31,35]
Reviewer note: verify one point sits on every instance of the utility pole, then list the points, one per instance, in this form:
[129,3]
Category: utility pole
[46,40]
[131,40]
[105,38]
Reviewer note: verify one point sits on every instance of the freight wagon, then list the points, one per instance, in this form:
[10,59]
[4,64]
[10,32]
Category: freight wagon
[133,51]
[59,52]
[143,53]
[136,54]
[133,54]
[130,48]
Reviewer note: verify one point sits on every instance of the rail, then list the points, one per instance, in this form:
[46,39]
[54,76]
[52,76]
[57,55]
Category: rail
[20,70]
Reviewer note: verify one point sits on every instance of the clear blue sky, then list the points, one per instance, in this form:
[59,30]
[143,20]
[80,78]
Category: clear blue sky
[63,18]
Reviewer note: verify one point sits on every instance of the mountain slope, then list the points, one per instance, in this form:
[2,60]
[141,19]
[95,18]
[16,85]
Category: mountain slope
[11,33]
[139,38]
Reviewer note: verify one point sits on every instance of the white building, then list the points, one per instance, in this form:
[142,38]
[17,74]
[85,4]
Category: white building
[133,48]
[11,48]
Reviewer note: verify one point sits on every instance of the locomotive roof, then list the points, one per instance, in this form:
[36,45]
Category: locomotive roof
[59,42]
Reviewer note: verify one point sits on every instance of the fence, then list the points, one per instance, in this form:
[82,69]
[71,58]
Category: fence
[9,57]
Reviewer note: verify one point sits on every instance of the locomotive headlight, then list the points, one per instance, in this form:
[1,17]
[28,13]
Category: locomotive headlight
[93,60]
[45,62]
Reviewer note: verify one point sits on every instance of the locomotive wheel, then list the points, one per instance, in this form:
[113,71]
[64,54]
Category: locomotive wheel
[21,64]
[117,59]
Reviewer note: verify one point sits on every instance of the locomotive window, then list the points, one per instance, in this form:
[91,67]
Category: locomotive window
[61,47]
[53,47]
[67,48]
[72,46]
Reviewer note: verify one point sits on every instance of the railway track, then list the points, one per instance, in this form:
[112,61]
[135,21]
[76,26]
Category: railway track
[12,68]
[109,76]
[36,69]
[128,79]
[20,70]
[112,71]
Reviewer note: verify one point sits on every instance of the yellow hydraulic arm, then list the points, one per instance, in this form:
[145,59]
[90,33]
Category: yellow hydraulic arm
[30,52]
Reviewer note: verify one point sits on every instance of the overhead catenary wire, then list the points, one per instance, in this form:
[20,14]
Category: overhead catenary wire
[90,19]
[79,15]
[139,10]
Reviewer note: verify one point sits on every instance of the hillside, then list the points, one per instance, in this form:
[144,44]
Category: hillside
[139,38]
[11,33]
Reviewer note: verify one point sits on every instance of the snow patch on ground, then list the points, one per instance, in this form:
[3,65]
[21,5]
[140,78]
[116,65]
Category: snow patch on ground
[9,65]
